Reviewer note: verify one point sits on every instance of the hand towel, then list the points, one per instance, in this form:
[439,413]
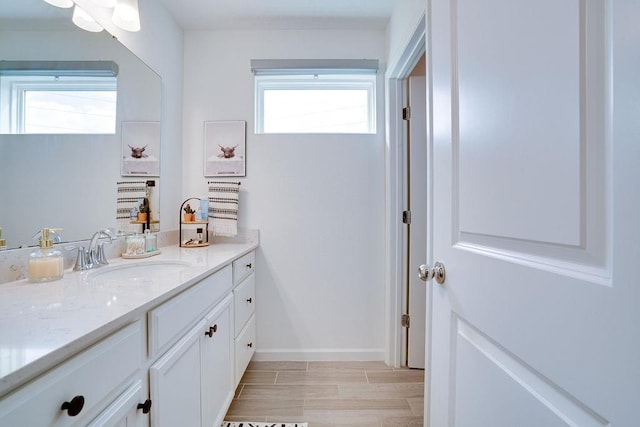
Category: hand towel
[129,195]
[223,207]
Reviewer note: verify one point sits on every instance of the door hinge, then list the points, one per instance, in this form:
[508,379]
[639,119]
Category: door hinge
[406,217]
[406,113]
[405,320]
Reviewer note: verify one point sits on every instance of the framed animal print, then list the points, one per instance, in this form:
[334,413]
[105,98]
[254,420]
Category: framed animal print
[140,149]
[225,148]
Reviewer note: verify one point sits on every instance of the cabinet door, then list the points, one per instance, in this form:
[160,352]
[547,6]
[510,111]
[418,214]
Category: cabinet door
[217,364]
[244,302]
[244,348]
[124,412]
[175,383]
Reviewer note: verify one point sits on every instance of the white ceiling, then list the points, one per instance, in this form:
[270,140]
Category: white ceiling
[241,14]
[294,14]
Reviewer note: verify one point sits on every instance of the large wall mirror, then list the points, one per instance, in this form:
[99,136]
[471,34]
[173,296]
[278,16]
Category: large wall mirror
[68,180]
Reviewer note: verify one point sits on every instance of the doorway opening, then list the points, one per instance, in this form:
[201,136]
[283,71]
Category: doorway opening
[398,270]
[414,215]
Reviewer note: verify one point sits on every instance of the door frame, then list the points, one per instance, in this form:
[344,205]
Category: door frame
[395,250]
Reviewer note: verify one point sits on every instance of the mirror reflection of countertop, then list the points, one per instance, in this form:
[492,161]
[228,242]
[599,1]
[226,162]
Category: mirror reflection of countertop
[43,324]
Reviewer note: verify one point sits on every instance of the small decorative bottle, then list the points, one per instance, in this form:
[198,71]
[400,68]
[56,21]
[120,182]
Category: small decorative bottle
[45,263]
[150,241]
[3,243]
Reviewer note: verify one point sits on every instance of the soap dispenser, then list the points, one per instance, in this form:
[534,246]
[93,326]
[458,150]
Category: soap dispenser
[45,263]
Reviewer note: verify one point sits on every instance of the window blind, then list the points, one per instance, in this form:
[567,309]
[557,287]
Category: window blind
[273,67]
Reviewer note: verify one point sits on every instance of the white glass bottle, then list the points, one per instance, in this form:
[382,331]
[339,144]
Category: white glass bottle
[45,263]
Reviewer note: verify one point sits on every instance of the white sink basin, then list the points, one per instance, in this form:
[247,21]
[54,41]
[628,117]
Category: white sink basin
[138,270]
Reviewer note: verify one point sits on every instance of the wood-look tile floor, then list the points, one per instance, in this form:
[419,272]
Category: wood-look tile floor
[365,394]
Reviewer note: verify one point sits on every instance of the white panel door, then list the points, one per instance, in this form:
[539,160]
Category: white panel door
[535,166]
[418,227]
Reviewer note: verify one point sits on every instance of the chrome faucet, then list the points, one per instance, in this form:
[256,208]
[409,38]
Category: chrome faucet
[94,256]
[95,253]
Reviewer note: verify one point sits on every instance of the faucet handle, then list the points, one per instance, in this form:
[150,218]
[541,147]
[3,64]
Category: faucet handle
[81,258]
[101,258]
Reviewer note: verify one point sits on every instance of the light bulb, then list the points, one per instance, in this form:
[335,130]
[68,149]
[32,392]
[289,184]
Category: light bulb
[60,3]
[126,15]
[105,3]
[83,20]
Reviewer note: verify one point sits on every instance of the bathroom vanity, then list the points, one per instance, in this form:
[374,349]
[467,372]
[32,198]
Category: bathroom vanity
[161,342]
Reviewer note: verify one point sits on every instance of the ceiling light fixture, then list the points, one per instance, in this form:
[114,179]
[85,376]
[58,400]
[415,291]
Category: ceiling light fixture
[105,3]
[126,15]
[60,3]
[83,20]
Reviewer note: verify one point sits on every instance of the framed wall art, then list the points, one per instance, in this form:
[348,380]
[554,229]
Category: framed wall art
[225,148]
[140,149]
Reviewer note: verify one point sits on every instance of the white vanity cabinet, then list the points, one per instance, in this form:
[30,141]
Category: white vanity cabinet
[80,388]
[191,383]
[176,362]
[244,301]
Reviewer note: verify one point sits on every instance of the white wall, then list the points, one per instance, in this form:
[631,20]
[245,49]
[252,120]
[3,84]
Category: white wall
[317,200]
[160,45]
[404,20]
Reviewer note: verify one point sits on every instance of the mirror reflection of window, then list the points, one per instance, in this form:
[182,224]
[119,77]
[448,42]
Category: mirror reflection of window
[54,102]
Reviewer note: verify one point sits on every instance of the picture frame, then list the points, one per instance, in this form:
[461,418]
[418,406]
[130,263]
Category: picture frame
[225,148]
[140,149]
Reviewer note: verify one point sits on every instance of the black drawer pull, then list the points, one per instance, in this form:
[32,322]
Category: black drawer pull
[74,407]
[249,300]
[249,265]
[250,345]
[212,330]
[146,406]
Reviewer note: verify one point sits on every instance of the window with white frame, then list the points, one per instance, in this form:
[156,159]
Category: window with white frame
[44,104]
[315,96]
[58,97]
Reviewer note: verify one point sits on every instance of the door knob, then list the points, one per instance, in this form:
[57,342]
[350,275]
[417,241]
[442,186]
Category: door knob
[438,272]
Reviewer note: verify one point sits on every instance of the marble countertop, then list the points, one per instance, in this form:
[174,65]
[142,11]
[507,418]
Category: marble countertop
[43,324]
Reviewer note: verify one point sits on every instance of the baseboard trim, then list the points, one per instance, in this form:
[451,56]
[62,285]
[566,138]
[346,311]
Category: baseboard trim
[312,355]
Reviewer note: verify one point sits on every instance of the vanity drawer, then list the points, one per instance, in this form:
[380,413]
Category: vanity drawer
[94,376]
[244,301]
[243,266]
[173,318]
[245,347]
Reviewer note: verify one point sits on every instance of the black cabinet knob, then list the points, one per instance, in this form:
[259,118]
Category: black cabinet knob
[74,407]
[250,345]
[249,265]
[249,300]
[212,330]
[146,406]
